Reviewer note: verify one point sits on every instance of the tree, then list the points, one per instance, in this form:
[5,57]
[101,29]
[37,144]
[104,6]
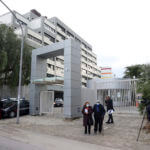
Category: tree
[141,72]
[10,56]
[133,71]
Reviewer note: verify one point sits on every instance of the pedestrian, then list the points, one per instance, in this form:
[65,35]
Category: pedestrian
[148,112]
[87,117]
[99,113]
[110,109]
[0,109]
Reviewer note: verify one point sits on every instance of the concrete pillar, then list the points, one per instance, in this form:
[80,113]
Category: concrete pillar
[38,70]
[72,79]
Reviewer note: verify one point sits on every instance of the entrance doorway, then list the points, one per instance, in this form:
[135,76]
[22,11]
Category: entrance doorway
[46,101]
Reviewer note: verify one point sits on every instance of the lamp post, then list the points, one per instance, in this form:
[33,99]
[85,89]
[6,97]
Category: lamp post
[21,58]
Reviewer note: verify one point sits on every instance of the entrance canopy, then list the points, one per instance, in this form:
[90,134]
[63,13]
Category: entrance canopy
[49,81]
[72,76]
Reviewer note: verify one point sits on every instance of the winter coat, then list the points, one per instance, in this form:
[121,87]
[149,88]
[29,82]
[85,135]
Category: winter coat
[148,112]
[109,104]
[87,118]
[100,112]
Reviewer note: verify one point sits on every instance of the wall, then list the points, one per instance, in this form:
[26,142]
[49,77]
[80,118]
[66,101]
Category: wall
[6,91]
[89,95]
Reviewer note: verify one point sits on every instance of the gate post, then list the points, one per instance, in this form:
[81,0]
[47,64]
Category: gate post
[72,79]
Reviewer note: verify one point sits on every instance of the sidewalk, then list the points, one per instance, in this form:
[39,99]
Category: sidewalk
[28,141]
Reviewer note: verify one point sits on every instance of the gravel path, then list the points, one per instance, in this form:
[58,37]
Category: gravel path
[121,135]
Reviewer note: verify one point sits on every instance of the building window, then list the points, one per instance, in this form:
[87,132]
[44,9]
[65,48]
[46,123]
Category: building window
[77,39]
[49,28]
[69,34]
[50,75]
[45,44]
[52,39]
[34,38]
[84,45]
[61,36]
[61,28]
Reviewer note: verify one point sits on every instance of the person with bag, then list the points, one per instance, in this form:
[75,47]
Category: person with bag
[87,117]
[99,113]
[0,109]
[110,109]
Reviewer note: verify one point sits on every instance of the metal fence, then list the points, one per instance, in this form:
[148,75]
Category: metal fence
[121,91]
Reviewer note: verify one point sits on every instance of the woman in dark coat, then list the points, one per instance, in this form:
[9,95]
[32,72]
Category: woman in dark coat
[87,117]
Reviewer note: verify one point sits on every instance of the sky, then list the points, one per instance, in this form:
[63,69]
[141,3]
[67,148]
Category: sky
[118,30]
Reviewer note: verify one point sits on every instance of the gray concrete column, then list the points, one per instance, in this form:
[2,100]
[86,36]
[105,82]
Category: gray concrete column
[38,70]
[72,79]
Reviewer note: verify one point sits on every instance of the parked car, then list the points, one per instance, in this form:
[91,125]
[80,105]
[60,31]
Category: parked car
[58,102]
[9,107]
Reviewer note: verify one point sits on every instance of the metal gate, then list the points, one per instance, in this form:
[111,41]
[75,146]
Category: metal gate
[122,92]
[46,101]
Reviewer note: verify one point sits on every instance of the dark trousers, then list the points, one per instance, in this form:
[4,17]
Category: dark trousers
[0,114]
[87,127]
[98,124]
[110,118]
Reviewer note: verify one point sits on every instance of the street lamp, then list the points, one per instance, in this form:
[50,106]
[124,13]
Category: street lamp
[21,57]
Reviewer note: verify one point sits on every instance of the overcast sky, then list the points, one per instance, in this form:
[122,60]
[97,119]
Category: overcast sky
[118,30]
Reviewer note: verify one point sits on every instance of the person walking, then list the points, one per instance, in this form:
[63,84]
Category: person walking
[99,113]
[87,117]
[0,109]
[110,109]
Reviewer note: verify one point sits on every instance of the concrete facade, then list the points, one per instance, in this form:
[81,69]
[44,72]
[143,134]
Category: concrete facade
[72,76]
[40,31]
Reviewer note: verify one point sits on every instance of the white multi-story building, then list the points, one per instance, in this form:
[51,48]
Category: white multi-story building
[40,31]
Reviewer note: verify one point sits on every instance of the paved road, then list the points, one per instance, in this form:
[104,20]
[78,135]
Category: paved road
[9,144]
[39,142]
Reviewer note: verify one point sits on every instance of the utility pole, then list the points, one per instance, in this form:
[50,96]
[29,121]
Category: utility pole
[21,58]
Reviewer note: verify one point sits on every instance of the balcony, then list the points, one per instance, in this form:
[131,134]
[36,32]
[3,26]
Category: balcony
[59,38]
[83,80]
[49,23]
[50,71]
[61,32]
[49,61]
[47,40]
[59,64]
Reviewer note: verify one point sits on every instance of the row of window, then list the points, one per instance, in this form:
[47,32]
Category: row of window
[49,27]
[61,36]
[88,60]
[52,39]
[34,38]
[90,67]
[61,28]
[71,35]
[88,54]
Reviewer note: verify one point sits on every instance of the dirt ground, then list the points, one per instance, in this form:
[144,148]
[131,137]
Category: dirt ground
[120,135]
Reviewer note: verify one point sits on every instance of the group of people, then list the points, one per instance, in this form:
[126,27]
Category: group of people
[99,112]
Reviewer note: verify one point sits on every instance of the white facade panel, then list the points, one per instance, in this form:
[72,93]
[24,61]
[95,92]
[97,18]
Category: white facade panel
[6,19]
[36,23]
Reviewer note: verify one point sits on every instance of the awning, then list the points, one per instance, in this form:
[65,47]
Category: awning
[49,81]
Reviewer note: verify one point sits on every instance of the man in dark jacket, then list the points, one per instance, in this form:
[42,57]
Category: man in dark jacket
[110,109]
[99,113]
[0,109]
[148,111]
